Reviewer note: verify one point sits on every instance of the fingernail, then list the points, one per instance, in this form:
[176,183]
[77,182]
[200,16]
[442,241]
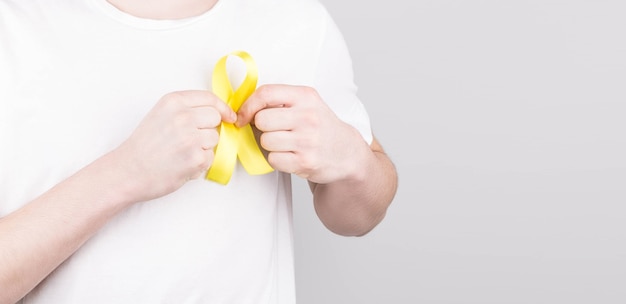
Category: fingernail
[238,122]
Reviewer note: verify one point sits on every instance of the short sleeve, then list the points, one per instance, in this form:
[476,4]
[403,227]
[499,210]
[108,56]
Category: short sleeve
[334,80]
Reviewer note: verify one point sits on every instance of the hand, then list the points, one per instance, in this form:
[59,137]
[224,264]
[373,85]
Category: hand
[174,142]
[302,134]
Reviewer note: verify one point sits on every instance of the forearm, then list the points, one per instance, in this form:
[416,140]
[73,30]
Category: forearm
[35,239]
[354,206]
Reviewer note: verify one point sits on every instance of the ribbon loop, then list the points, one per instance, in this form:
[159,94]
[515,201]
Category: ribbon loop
[236,142]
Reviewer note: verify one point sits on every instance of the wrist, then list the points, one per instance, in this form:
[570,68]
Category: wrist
[114,175]
[360,159]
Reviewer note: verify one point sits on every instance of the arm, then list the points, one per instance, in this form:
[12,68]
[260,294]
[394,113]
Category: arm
[355,205]
[38,237]
[35,239]
[352,183]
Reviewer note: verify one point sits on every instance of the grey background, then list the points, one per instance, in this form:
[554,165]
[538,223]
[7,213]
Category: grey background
[506,120]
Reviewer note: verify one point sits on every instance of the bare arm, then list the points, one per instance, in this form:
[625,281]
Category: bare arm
[355,205]
[352,183]
[35,239]
[38,237]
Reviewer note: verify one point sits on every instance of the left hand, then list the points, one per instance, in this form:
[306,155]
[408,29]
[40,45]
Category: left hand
[302,134]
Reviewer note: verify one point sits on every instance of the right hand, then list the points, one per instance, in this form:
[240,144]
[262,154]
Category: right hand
[173,143]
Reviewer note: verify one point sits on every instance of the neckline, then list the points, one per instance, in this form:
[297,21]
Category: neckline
[152,24]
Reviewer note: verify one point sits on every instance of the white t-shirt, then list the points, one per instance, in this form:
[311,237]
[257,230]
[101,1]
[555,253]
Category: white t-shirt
[76,77]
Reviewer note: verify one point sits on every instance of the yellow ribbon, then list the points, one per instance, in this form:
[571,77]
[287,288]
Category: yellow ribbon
[236,142]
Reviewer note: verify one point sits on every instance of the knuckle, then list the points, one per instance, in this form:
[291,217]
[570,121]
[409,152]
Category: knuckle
[213,137]
[310,140]
[198,158]
[185,146]
[309,91]
[265,92]
[196,175]
[214,118]
[207,160]
[173,97]
[307,163]
[181,119]
[311,119]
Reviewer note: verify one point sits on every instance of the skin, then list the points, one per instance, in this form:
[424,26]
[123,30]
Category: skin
[302,135]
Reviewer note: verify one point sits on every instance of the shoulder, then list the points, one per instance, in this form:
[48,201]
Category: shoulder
[288,31]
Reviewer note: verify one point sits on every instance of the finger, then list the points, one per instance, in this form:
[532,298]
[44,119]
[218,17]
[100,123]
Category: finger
[269,96]
[283,161]
[275,119]
[278,141]
[200,98]
[227,114]
[208,138]
[206,117]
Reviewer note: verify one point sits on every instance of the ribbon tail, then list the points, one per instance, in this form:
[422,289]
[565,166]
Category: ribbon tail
[225,155]
[250,154]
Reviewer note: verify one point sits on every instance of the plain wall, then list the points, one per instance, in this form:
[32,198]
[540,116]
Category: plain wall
[507,123]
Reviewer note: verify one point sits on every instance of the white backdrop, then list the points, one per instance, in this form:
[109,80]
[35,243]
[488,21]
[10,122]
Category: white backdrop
[507,122]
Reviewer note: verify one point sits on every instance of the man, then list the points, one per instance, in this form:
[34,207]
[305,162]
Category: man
[97,209]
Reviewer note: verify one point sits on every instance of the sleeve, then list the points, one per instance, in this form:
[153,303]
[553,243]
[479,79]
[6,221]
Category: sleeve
[334,80]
